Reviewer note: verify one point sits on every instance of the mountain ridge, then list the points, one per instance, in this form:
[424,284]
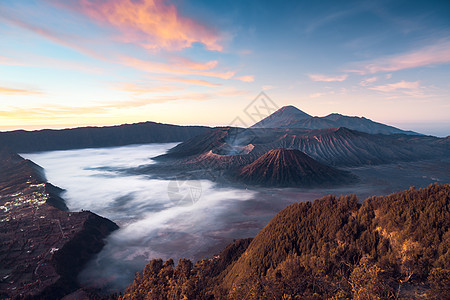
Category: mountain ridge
[290,167]
[299,119]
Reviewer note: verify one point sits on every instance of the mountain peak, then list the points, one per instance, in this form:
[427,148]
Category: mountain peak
[290,109]
[290,167]
[285,115]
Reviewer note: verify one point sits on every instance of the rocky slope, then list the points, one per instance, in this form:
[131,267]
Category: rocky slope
[228,148]
[292,117]
[287,167]
[23,141]
[42,246]
[390,247]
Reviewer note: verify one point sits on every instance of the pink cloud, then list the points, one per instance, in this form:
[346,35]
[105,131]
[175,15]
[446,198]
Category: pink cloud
[436,54]
[246,78]
[189,81]
[402,85]
[325,78]
[153,24]
[190,64]
[158,67]
[368,81]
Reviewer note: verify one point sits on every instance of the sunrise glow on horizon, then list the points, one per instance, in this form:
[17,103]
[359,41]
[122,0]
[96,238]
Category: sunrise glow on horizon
[104,62]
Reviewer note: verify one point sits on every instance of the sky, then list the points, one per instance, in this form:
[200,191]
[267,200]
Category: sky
[103,62]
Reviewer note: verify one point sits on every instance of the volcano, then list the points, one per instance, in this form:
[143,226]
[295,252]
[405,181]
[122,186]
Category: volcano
[292,117]
[289,167]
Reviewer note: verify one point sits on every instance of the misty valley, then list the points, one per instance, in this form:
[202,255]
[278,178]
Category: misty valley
[154,224]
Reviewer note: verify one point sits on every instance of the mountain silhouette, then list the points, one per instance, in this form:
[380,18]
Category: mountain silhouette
[292,117]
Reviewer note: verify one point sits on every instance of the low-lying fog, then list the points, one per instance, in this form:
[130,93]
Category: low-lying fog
[193,219]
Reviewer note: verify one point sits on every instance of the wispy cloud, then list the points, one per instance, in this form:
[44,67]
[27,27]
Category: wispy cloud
[54,112]
[368,81]
[325,78]
[246,78]
[151,23]
[408,85]
[438,53]
[23,92]
[317,95]
[268,87]
[139,89]
[8,61]
[184,62]
[189,81]
[158,67]
[409,88]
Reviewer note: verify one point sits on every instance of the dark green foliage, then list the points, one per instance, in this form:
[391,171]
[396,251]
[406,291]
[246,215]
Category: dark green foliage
[334,248]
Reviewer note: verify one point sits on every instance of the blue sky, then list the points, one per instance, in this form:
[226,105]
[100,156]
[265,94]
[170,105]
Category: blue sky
[88,62]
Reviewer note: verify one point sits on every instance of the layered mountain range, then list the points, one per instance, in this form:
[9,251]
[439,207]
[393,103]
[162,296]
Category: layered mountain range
[42,245]
[292,117]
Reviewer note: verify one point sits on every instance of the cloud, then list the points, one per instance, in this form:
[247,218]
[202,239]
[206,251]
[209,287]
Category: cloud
[231,92]
[246,78]
[153,24]
[317,95]
[436,54]
[190,64]
[109,52]
[368,81]
[408,88]
[8,61]
[408,85]
[189,81]
[325,78]
[23,92]
[268,87]
[142,89]
[53,112]
[158,67]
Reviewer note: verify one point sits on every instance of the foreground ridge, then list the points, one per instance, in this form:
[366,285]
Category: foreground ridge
[42,246]
[333,248]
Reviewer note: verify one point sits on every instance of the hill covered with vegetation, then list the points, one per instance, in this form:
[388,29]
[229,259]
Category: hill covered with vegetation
[390,247]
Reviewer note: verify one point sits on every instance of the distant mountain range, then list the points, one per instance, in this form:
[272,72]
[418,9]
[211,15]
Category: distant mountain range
[227,148]
[292,117]
[93,137]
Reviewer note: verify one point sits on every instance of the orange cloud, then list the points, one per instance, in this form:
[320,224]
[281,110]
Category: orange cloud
[438,53]
[10,91]
[319,77]
[189,81]
[246,78]
[140,89]
[53,112]
[152,24]
[157,67]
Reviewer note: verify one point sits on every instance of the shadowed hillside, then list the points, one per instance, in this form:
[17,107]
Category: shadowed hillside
[228,148]
[391,247]
[42,246]
[285,167]
[93,137]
